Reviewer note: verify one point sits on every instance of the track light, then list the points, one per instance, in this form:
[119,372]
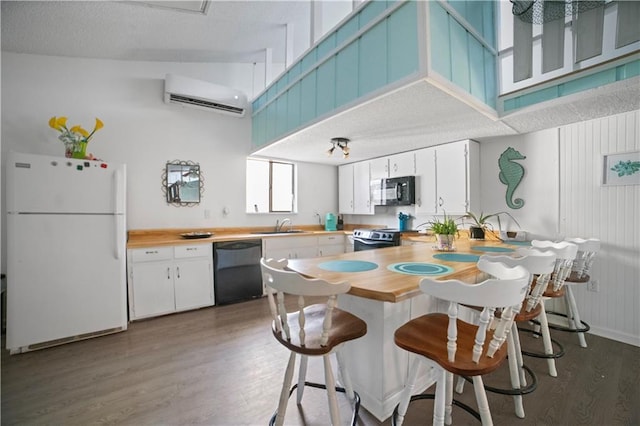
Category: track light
[340,143]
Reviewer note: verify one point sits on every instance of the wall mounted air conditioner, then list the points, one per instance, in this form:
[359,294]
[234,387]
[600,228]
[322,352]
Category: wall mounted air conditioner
[204,95]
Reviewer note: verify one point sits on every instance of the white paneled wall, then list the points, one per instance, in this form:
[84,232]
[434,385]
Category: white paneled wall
[610,213]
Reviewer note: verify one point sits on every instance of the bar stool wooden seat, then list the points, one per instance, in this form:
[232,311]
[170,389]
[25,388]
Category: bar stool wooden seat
[540,265]
[310,330]
[453,346]
[579,276]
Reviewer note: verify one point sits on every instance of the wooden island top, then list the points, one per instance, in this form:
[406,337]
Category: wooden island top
[383,284]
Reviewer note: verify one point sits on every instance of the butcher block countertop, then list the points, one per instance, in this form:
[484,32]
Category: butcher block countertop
[172,237]
[388,285]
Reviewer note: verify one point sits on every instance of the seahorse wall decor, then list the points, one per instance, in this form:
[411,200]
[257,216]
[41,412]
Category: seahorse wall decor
[511,174]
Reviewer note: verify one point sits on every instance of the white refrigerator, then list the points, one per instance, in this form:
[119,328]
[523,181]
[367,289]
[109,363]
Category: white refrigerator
[66,241]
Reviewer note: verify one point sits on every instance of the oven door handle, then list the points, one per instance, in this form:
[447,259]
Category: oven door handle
[371,243]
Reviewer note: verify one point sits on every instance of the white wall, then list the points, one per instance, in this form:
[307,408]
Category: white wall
[144,132]
[538,188]
[610,213]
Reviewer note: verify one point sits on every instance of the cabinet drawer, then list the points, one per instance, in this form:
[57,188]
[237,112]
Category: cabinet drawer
[289,242]
[324,240]
[152,254]
[196,250]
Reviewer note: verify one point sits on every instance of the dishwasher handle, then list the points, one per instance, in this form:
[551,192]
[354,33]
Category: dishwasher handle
[237,245]
[233,254]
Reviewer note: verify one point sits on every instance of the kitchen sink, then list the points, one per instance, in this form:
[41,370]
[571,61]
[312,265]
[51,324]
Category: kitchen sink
[290,231]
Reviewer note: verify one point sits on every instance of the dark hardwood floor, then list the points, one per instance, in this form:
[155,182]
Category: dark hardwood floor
[221,366]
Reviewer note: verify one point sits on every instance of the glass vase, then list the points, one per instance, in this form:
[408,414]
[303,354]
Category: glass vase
[445,242]
[75,150]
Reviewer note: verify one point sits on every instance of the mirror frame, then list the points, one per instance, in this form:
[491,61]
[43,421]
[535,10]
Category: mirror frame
[165,182]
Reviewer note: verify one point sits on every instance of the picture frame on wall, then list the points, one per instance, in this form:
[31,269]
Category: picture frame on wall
[621,169]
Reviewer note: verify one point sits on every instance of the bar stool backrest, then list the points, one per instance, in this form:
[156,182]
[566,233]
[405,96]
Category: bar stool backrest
[540,266]
[565,252]
[277,278]
[587,250]
[506,291]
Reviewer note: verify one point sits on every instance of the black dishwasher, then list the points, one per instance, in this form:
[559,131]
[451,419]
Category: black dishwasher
[236,271]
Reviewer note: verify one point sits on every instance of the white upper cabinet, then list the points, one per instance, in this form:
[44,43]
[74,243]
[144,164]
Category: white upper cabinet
[426,181]
[379,168]
[451,178]
[345,189]
[403,164]
[457,177]
[354,194]
[447,178]
[361,189]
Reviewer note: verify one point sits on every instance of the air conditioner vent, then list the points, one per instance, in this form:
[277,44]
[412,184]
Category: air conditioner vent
[206,104]
[204,95]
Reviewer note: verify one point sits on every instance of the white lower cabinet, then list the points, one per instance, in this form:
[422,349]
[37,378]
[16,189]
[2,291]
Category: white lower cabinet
[163,280]
[301,247]
[329,245]
[290,247]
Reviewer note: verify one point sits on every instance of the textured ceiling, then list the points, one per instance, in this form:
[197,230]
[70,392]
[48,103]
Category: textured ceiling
[416,116]
[230,31]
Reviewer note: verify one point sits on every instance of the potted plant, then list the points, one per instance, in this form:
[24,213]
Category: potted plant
[445,230]
[481,225]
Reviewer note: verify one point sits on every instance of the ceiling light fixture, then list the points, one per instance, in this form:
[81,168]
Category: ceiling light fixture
[340,143]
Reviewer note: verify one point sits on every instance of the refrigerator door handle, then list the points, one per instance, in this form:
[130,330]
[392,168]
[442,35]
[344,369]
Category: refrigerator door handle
[116,191]
[119,244]
[118,213]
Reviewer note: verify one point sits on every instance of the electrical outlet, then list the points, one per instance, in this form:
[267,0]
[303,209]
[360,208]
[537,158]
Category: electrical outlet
[593,285]
[207,213]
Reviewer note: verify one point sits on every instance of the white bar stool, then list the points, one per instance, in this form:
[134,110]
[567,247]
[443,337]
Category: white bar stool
[310,330]
[453,346]
[587,250]
[540,265]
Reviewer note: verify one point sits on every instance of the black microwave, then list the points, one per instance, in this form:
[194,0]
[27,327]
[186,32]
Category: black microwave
[398,191]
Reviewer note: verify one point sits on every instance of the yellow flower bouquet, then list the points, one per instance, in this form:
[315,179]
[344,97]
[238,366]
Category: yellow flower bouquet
[75,139]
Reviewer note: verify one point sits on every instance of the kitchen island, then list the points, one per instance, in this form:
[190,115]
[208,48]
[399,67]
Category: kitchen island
[385,293]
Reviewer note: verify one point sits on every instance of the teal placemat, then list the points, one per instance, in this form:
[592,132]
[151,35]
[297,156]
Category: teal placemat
[491,249]
[415,268]
[347,266]
[456,257]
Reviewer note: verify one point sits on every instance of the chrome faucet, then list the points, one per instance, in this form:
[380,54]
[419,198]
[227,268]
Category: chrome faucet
[279,224]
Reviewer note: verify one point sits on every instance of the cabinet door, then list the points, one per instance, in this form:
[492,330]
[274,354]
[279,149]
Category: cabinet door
[330,250]
[193,284]
[152,284]
[379,168]
[291,247]
[403,164]
[426,181]
[328,245]
[361,188]
[345,189]
[305,252]
[451,178]
[279,254]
